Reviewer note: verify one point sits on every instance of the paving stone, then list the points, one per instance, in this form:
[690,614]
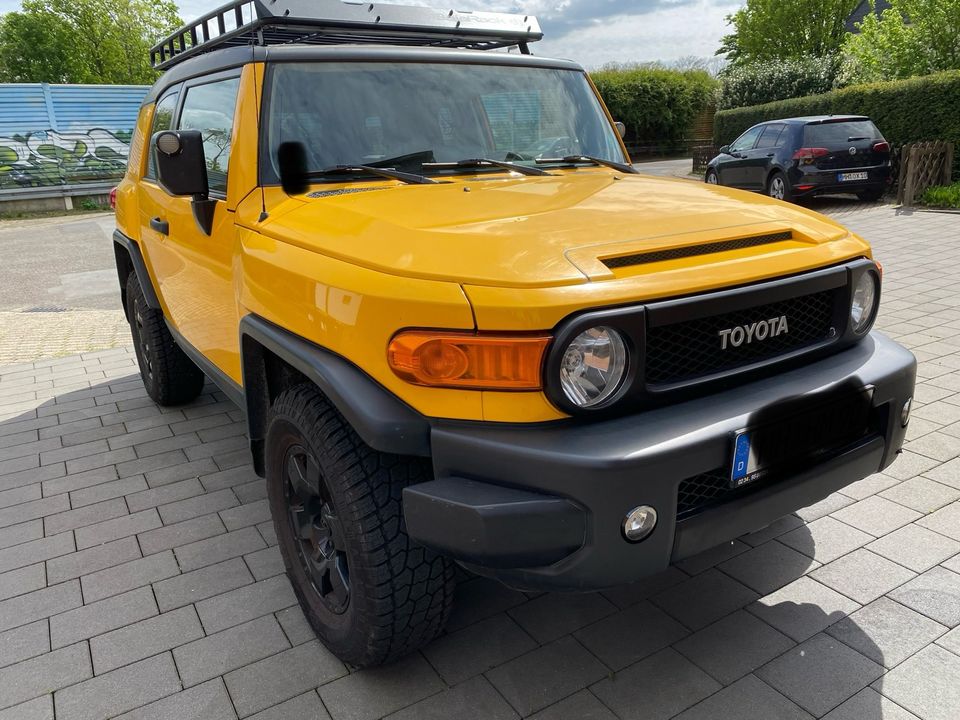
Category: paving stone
[245,515]
[119,691]
[101,459]
[170,536]
[768,567]
[219,548]
[540,678]
[868,704]
[18,534]
[33,551]
[945,521]
[928,684]
[40,708]
[862,575]
[886,632]
[228,478]
[88,515]
[67,567]
[946,474]
[935,593]
[553,615]
[703,599]
[165,494]
[474,698]
[24,642]
[659,687]
[829,504]
[915,547]
[129,576]
[820,673]
[288,674]
[194,507]
[265,563]
[876,515]
[910,464]
[14,479]
[631,634]
[250,492]
[175,473]
[803,608]
[22,580]
[921,494]
[268,532]
[131,465]
[712,557]
[478,599]
[108,530]
[748,699]
[209,701]
[19,495]
[32,510]
[142,639]
[826,538]
[212,449]
[238,606]
[79,481]
[228,650]
[871,485]
[136,437]
[583,706]
[624,596]
[107,490]
[201,584]
[295,625]
[734,646]
[302,707]
[43,674]
[478,648]
[101,616]
[26,608]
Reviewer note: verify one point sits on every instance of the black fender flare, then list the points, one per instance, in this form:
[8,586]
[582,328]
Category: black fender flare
[123,244]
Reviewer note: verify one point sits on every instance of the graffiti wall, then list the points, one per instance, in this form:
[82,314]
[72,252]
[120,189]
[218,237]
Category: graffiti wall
[46,158]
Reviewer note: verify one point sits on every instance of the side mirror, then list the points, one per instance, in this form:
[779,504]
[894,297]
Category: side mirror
[182,170]
[725,150]
[621,128]
[292,162]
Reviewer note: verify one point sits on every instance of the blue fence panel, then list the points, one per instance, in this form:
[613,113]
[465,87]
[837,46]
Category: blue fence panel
[65,134]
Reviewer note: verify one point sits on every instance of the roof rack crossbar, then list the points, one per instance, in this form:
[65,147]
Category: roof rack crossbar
[272,22]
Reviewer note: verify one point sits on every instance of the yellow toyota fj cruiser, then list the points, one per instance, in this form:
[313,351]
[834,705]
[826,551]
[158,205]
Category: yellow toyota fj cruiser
[464,329]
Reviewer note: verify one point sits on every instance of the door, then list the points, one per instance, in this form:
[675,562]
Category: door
[757,162]
[193,269]
[732,169]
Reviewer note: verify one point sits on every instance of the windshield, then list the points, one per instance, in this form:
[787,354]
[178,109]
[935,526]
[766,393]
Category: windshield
[408,114]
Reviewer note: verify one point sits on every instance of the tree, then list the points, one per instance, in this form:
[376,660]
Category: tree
[780,29]
[83,41]
[913,37]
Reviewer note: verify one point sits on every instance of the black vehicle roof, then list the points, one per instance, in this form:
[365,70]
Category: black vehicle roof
[816,119]
[234,57]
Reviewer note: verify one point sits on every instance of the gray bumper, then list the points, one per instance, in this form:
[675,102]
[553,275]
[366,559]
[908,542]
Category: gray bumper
[541,506]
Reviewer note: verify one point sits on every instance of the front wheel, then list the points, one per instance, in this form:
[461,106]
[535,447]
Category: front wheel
[370,594]
[711,178]
[778,187]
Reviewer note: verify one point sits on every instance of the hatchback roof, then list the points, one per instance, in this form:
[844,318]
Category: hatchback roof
[816,119]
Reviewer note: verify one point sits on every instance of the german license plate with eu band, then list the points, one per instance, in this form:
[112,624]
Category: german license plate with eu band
[847,177]
[799,439]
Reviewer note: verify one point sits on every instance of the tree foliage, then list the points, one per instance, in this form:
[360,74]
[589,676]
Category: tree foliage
[766,30]
[761,82]
[83,41]
[657,104]
[913,37]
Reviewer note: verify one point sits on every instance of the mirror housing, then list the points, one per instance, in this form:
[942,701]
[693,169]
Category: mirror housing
[621,129]
[292,163]
[724,149]
[182,170]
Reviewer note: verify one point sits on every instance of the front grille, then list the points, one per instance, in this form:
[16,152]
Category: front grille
[689,350]
[694,250]
[700,491]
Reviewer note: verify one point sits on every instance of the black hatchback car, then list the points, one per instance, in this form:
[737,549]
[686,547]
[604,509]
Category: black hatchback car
[800,157]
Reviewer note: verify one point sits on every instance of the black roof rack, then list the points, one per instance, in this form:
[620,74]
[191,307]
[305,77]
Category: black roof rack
[333,22]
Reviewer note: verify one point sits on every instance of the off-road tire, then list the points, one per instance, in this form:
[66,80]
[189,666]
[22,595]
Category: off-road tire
[399,593]
[169,376]
[772,185]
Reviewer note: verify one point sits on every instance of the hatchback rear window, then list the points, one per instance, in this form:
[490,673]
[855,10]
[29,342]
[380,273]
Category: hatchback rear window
[839,133]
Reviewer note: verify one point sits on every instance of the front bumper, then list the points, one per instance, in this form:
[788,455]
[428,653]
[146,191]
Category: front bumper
[541,506]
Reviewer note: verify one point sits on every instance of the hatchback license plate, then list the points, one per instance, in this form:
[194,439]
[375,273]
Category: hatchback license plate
[847,177]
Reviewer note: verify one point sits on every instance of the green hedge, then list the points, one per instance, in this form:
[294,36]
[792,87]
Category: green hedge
[762,82]
[921,108]
[658,105]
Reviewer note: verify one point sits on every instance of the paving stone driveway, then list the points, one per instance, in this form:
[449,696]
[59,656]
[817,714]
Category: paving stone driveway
[139,575]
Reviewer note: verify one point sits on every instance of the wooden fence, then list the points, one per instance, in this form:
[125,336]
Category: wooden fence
[923,165]
[702,154]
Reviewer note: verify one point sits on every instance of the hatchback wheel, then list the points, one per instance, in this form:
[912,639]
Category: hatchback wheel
[711,178]
[778,187]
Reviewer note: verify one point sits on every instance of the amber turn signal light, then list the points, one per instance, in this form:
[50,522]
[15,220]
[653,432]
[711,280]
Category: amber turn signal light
[467,360]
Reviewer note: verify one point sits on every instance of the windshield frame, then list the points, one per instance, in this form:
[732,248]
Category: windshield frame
[421,56]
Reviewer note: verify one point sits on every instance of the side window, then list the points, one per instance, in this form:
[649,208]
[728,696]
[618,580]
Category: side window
[747,140]
[162,120]
[770,136]
[209,109]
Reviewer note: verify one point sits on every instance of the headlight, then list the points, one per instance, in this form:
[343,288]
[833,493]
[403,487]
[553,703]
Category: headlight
[593,366]
[864,302]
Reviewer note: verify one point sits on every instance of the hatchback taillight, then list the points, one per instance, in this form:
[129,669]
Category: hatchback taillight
[113,198]
[881,147]
[807,155]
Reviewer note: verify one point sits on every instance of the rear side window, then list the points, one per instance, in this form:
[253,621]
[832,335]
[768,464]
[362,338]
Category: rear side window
[839,134]
[162,120]
[209,109]
[771,136]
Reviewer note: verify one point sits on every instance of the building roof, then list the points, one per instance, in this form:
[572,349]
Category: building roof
[862,10]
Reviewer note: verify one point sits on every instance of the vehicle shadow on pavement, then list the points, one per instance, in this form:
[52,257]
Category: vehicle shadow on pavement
[726,634]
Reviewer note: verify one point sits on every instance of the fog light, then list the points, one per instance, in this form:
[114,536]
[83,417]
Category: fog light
[905,412]
[639,523]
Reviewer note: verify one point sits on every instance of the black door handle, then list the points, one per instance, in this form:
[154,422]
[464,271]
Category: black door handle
[161,226]
[770,154]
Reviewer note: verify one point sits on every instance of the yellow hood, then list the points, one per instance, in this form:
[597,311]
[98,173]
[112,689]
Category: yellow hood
[508,231]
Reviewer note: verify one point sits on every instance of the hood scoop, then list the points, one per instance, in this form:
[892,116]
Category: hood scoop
[686,251]
[342,191]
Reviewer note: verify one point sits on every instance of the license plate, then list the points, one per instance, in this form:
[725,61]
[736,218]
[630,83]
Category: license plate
[800,438]
[847,177]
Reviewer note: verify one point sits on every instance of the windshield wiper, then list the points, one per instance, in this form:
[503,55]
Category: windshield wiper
[853,139]
[571,159]
[482,162]
[409,178]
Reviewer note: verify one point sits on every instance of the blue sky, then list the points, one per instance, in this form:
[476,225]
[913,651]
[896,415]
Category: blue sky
[592,32]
